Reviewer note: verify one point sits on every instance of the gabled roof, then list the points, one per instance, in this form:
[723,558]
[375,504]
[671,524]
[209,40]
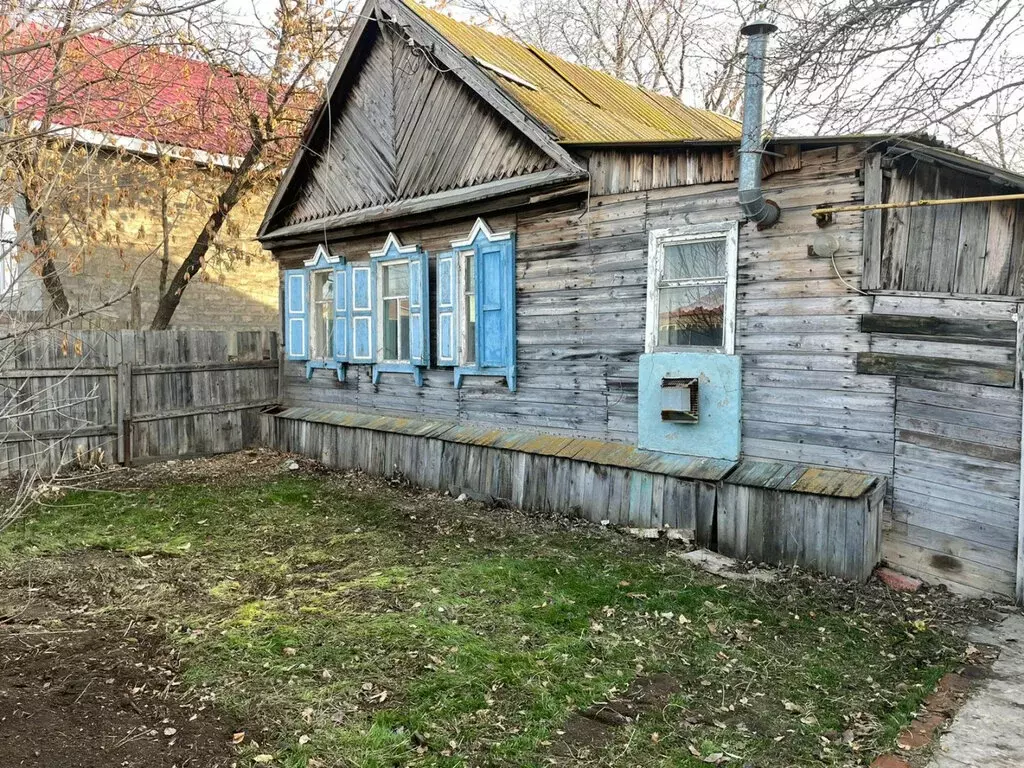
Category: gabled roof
[109,90]
[548,102]
[577,104]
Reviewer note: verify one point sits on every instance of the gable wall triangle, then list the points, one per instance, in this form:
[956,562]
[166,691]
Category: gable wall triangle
[405,127]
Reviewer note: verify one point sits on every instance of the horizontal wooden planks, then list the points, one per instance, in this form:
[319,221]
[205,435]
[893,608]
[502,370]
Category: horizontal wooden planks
[581,290]
[956,483]
[959,339]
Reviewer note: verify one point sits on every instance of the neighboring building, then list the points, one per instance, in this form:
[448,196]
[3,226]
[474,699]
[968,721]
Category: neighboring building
[511,276]
[121,110]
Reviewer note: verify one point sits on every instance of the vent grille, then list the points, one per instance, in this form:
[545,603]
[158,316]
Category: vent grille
[680,399]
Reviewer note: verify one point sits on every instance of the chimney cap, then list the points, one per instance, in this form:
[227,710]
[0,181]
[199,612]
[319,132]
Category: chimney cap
[758,27]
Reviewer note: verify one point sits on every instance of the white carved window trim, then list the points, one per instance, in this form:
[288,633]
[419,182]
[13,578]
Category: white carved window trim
[658,239]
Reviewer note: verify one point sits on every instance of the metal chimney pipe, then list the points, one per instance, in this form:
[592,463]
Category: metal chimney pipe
[756,207]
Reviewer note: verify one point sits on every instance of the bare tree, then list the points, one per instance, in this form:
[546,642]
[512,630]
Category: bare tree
[49,76]
[682,48]
[954,68]
[285,61]
[57,80]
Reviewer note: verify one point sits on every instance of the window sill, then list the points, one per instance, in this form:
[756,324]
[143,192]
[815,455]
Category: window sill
[338,368]
[415,370]
[508,374]
[696,349]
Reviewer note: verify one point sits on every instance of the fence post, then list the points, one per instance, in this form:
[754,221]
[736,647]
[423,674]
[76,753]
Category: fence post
[124,413]
[136,322]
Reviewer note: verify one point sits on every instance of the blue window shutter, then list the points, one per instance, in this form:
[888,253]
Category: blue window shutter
[361,315]
[496,318]
[296,304]
[419,304]
[341,323]
[447,289]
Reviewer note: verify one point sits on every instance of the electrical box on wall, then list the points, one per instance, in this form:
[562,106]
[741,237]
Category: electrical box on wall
[680,400]
[689,403]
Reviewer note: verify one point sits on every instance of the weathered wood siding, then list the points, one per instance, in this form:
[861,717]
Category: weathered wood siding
[613,172]
[969,249]
[957,427]
[581,282]
[834,535]
[406,128]
[775,512]
[531,481]
[947,338]
[131,395]
[956,484]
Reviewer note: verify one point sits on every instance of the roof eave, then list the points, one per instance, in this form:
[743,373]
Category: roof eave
[533,187]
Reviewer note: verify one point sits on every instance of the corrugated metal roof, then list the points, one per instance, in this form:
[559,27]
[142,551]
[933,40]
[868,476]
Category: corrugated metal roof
[579,105]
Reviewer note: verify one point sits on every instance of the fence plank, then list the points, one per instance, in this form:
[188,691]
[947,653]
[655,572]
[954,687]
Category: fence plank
[153,394]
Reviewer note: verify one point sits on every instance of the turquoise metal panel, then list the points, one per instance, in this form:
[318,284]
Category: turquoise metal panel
[716,434]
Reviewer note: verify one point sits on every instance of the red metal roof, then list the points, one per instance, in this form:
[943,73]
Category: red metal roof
[132,92]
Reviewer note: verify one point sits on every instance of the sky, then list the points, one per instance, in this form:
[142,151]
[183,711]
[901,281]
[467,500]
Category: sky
[894,109]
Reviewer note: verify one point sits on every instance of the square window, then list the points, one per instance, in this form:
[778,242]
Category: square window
[692,288]
[691,316]
[695,260]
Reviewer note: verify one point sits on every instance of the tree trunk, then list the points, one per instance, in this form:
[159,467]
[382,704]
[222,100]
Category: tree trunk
[165,256]
[227,200]
[41,246]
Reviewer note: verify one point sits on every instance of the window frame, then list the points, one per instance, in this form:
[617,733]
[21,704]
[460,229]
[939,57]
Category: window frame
[9,247]
[479,237]
[322,260]
[465,257]
[658,240]
[417,262]
[314,302]
[380,300]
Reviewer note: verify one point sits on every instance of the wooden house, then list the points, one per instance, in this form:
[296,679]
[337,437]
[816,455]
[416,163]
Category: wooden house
[509,276]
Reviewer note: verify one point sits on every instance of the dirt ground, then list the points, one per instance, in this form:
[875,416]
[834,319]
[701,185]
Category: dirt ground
[78,690]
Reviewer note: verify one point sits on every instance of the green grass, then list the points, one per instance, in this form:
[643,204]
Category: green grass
[395,628]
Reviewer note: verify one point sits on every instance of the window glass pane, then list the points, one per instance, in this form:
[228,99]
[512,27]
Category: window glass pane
[692,316]
[470,264]
[321,343]
[395,280]
[8,255]
[390,329]
[469,309]
[701,258]
[403,329]
[395,330]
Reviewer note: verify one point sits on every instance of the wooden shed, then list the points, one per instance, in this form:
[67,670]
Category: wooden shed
[507,275]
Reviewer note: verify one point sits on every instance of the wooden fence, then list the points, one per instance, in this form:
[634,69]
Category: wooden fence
[123,396]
